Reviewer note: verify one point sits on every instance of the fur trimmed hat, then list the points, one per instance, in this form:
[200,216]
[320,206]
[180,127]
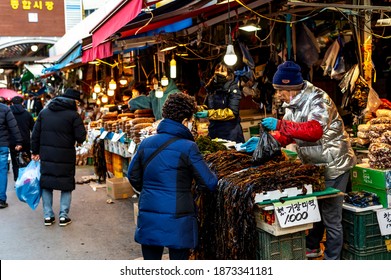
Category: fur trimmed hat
[288,76]
[72,94]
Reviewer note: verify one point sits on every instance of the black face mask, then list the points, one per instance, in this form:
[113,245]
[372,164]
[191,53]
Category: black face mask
[220,79]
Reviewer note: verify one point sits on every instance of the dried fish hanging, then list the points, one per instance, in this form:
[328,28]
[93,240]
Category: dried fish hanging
[226,219]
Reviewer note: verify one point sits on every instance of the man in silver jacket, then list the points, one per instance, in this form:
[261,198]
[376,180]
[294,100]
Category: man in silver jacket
[312,121]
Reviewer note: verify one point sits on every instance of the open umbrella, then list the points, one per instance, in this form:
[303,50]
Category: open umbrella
[8,93]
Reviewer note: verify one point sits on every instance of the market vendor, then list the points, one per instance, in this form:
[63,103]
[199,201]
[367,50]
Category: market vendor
[312,121]
[152,101]
[139,98]
[222,106]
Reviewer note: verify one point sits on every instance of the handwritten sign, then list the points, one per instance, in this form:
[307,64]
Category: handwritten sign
[132,147]
[384,220]
[297,212]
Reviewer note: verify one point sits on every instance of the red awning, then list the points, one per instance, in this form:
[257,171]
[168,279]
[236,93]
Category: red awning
[101,51]
[118,19]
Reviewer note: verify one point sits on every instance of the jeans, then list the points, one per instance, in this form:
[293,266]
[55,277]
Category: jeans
[331,213]
[47,203]
[156,253]
[3,173]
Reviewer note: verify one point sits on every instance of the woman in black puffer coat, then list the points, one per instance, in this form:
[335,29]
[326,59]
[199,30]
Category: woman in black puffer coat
[55,132]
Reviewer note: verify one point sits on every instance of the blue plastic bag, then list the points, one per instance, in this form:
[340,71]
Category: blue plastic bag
[27,186]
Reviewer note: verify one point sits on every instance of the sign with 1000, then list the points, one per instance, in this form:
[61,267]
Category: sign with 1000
[297,212]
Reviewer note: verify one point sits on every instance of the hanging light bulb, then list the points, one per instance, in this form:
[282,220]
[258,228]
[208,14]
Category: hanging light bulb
[112,84]
[98,101]
[159,92]
[123,81]
[164,81]
[110,92]
[173,68]
[97,88]
[94,95]
[230,57]
[34,48]
[105,99]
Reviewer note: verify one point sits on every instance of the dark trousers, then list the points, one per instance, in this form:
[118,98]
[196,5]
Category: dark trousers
[156,253]
[331,213]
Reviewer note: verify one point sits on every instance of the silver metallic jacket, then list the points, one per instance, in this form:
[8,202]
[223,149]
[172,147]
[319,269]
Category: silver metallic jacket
[334,148]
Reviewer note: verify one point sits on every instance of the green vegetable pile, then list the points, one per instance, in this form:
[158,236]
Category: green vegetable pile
[207,146]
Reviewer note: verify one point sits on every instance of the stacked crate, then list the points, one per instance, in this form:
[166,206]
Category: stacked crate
[362,237]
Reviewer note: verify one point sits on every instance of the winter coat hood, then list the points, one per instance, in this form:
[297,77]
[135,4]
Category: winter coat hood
[177,129]
[17,109]
[62,103]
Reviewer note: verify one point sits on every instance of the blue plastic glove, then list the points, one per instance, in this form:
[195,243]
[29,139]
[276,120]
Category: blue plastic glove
[270,123]
[251,144]
[202,114]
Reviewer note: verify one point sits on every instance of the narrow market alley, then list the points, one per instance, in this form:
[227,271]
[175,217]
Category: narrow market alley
[99,230]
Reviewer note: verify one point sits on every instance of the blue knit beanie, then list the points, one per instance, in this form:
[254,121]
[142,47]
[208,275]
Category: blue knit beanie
[288,76]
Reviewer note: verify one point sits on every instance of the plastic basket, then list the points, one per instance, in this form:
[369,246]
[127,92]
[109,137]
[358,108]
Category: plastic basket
[283,247]
[361,231]
[370,254]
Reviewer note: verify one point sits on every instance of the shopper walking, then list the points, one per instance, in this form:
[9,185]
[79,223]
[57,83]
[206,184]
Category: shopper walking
[25,124]
[53,139]
[312,121]
[163,169]
[8,130]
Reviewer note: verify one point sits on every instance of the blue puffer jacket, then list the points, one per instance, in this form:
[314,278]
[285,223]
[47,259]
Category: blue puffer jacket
[167,214]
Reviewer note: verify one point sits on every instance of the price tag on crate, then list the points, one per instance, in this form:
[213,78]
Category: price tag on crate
[132,147]
[384,220]
[297,212]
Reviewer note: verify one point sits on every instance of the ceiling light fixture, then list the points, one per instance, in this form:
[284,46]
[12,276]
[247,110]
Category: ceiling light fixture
[230,57]
[173,68]
[34,48]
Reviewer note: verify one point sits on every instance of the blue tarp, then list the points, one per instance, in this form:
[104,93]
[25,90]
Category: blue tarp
[76,53]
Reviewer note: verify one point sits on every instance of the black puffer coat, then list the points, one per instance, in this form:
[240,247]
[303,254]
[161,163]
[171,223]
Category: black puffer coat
[55,132]
[8,127]
[25,123]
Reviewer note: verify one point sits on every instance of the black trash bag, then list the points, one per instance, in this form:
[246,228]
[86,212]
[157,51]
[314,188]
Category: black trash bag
[267,148]
[22,159]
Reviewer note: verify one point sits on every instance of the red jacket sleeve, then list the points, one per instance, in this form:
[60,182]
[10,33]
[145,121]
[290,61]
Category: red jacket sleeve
[310,131]
[281,138]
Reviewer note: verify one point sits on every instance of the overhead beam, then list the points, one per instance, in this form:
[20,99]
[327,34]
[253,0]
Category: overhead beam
[342,6]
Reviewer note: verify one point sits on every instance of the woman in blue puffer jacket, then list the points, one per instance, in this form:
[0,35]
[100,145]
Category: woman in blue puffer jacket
[167,216]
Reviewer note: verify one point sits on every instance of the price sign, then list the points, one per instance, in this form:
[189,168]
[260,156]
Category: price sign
[103,135]
[384,220]
[132,147]
[115,137]
[297,212]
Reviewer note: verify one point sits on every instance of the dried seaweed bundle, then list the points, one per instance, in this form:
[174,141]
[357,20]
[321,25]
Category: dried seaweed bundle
[226,218]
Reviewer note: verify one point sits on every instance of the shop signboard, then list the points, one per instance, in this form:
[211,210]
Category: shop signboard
[297,212]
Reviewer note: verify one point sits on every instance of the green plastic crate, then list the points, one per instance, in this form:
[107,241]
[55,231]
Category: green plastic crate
[283,247]
[370,254]
[361,231]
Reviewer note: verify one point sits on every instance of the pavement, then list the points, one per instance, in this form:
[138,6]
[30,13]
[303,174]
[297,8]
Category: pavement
[99,230]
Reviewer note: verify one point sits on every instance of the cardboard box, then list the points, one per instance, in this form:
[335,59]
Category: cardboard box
[362,174]
[267,221]
[119,188]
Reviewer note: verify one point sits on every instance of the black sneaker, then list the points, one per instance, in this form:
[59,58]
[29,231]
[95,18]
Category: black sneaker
[49,221]
[3,204]
[64,222]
